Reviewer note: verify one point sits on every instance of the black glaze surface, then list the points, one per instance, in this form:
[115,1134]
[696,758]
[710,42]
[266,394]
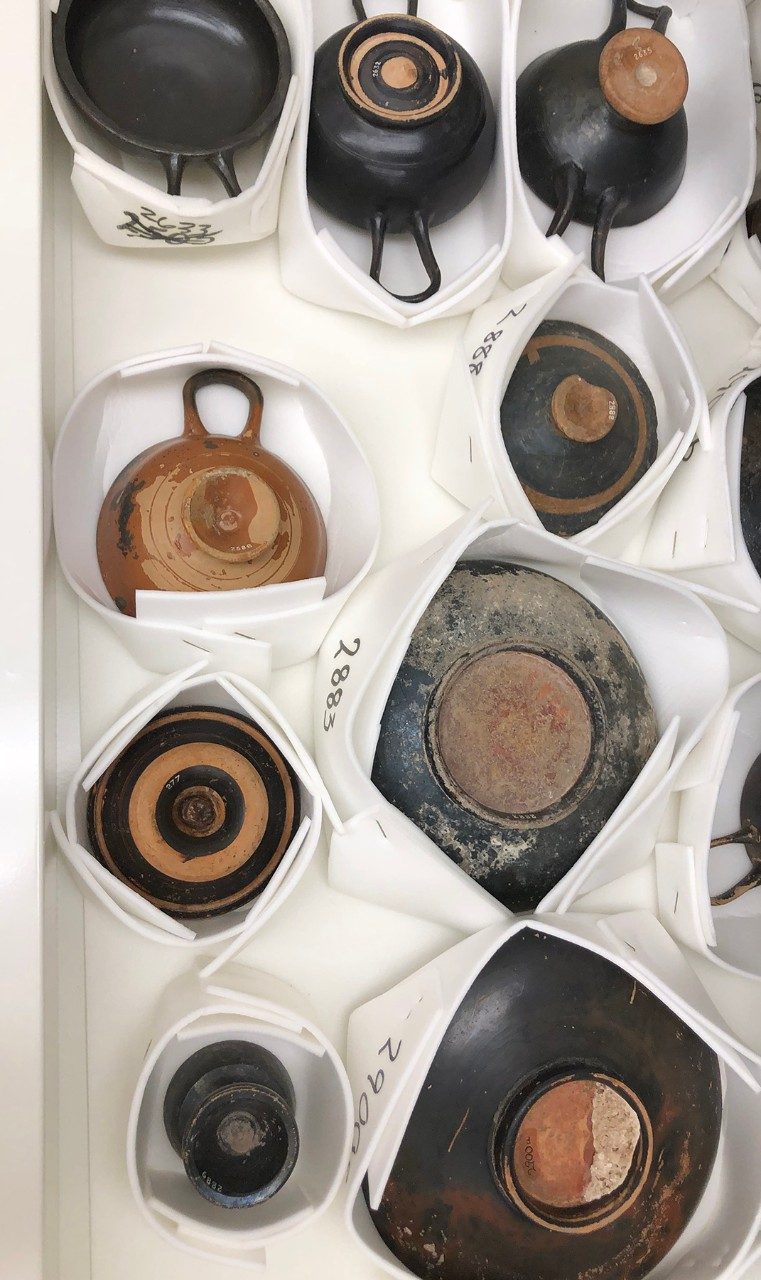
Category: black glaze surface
[229,1115]
[571,485]
[390,175]
[486,604]
[543,1005]
[581,157]
[127,853]
[173,79]
[750,474]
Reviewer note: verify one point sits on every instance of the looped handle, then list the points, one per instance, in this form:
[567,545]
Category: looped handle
[361,12]
[419,228]
[221,162]
[660,15]
[224,378]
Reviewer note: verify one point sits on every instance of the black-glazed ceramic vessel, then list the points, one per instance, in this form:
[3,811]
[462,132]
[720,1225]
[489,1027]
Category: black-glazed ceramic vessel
[749,835]
[196,812]
[750,474]
[175,80]
[516,724]
[602,133]
[567,1127]
[401,134]
[229,1113]
[579,425]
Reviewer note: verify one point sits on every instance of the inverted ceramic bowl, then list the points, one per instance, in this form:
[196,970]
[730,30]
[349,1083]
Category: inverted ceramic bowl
[243,1005]
[471,461]
[400,1042]
[138,404]
[683,242]
[228,932]
[125,197]
[379,854]
[690,872]
[697,531]
[326,261]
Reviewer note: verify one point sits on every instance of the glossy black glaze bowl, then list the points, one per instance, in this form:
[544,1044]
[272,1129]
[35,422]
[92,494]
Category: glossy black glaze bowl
[402,132]
[567,1127]
[177,80]
[518,721]
[579,425]
[602,133]
[229,1115]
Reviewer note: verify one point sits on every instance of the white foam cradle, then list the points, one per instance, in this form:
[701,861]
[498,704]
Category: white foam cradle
[138,404]
[124,196]
[683,243]
[325,261]
[689,872]
[241,1004]
[414,1016]
[696,530]
[379,854]
[231,932]
[471,461]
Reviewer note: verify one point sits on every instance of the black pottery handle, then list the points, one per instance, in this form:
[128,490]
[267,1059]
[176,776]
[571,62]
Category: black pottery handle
[419,227]
[221,162]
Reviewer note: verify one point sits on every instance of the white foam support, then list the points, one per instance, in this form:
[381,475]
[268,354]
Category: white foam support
[131,407]
[327,262]
[125,197]
[226,934]
[471,461]
[689,871]
[245,1005]
[394,1039]
[679,245]
[378,854]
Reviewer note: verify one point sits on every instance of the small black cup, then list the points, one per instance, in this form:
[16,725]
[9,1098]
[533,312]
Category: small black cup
[229,1115]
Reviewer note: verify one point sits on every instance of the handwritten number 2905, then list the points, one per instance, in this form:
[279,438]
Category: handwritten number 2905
[376,1084]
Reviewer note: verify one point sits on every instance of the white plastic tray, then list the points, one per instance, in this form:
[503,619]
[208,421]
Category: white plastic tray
[66,1211]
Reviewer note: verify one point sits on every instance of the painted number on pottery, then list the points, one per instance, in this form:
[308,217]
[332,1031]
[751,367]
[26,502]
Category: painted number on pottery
[339,676]
[376,1083]
[482,353]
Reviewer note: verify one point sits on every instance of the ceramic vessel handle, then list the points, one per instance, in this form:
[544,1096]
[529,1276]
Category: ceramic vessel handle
[224,378]
[419,229]
[660,14]
[174,165]
[221,162]
[223,165]
[361,11]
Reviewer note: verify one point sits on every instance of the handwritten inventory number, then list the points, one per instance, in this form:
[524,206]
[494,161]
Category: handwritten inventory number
[337,679]
[482,353]
[376,1084]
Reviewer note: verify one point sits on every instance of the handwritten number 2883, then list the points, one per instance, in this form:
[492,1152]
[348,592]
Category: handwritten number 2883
[340,674]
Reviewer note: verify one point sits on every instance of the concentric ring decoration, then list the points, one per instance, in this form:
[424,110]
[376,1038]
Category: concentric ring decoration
[373,852]
[202,850]
[397,74]
[416,1016]
[238,1004]
[471,461]
[132,407]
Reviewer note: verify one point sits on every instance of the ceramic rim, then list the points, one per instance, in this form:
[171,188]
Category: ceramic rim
[402,71]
